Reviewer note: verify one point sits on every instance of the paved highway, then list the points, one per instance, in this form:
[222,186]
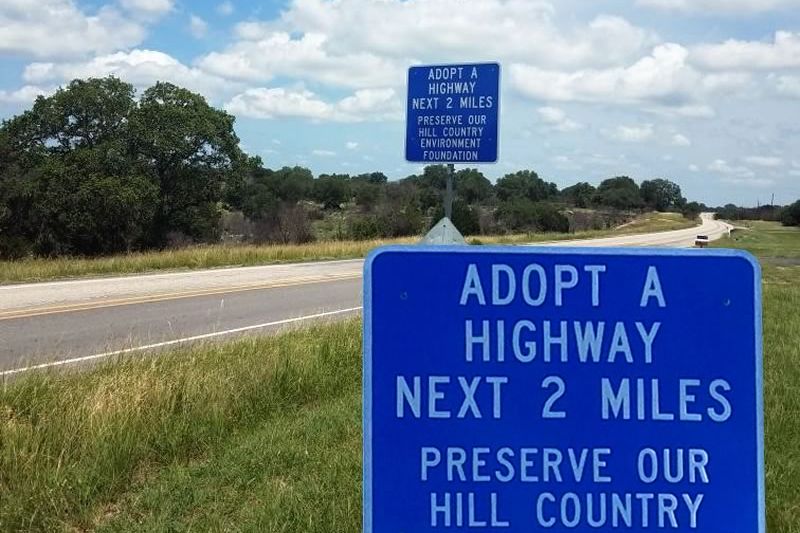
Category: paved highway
[69,322]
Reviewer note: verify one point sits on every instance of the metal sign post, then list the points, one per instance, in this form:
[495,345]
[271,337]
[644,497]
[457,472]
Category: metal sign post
[448,195]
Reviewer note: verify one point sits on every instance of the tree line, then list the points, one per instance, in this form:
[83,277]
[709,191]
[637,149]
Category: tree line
[788,215]
[97,169]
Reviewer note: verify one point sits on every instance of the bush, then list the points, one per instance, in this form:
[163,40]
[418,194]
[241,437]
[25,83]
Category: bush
[691,210]
[290,225]
[524,215]
[386,224]
[791,215]
[595,220]
[465,217]
[363,227]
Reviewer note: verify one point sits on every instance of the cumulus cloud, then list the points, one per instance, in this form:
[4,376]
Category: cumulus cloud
[721,166]
[680,140]
[564,162]
[729,7]
[788,86]
[632,134]
[351,145]
[305,57]
[454,29]
[661,77]
[148,8]
[278,102]
[24,95]
[357,44]
[59,29]
[749,182]
[142,68]
[764,161]
[783,52]
[197,27]
[557,119]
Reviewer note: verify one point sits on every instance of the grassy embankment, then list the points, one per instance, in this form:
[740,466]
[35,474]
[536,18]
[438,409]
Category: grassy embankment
[778,249]
[264,434]
[246,255]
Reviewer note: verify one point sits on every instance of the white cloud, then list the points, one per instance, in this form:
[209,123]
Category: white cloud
[357,44]
[662,78]
[142,68]
[749,182]
[764,161]
[267,103]
[455,29]
[59,29]
[782,52]
[557,119]
[788,86]
[351,145]
[721,6]
[24,95]
[680,140]
[633,134]
[197,27]
[306,57]
[721,166]
[323,153]
[279,102]
[148,8]
[226,8]
[694,168]
[564,162]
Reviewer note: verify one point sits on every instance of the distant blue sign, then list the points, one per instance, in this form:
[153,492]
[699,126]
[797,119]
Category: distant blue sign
[545,389]
[452,113]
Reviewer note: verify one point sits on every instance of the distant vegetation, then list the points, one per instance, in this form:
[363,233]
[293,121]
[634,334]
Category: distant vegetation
[789,215]
[94,170]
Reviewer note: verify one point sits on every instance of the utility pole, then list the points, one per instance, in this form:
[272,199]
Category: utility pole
[448,195]
[772,203]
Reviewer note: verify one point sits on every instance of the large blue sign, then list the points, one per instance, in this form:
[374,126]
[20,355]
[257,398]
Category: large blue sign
[452,113]
[545,389]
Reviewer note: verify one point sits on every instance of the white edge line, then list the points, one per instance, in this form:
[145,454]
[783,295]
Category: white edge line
[178,341]
[189,273]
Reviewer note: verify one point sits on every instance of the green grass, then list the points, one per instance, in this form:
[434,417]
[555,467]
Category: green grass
[772,244]
[214,256]
[769,240]
[255,434]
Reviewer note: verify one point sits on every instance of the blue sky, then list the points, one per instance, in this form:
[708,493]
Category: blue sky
[703,92]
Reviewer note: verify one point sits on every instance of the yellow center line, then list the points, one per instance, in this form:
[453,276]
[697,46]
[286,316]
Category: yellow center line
[68,308]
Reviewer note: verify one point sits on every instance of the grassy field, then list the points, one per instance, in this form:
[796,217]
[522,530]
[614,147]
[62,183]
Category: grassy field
[254,435]
[773,242]
[778,249]
[199,257]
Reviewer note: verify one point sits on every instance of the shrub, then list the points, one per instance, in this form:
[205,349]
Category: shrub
[522,214]
[465,217]
[290,225]
[791,215]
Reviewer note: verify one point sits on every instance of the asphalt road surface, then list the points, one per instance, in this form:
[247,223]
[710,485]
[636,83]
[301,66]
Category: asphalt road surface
[70,322]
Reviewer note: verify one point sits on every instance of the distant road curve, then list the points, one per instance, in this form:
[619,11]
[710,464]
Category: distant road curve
[682,238]
[64,322]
